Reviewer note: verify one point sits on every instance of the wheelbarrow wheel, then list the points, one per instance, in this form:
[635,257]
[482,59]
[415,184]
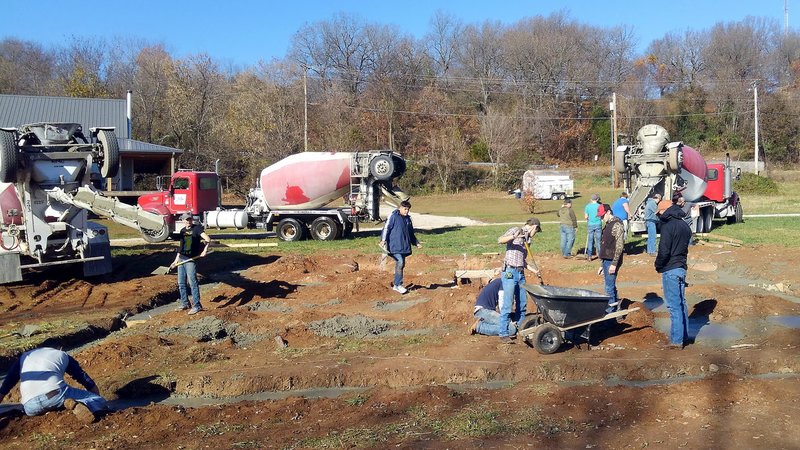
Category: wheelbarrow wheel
[547,339]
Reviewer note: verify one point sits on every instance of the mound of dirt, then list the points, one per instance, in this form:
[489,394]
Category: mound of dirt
[208,328]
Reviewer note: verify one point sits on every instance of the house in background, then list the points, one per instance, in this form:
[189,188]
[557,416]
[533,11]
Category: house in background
[136,157]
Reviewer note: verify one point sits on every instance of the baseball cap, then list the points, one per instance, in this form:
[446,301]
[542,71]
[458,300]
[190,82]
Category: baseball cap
[535,221]
[603,209]
[595,197]
[185,216]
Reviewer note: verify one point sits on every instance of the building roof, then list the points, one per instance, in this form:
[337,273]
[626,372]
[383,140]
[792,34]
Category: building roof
[134,146]
[18,110]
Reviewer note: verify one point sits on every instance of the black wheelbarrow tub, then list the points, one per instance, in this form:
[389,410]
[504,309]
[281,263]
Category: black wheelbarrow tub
[564,307]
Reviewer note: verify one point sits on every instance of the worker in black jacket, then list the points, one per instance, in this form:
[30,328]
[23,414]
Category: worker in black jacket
[671,264]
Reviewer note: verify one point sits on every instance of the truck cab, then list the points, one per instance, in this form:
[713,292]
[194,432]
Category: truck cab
[188,192]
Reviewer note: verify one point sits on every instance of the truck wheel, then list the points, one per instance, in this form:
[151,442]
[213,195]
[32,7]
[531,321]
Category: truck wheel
[324,229]
[675,159]
[708,219]
[290,230]
[381,167]
[737,214]
[547,339]
[554,197]
[8,157]
[108,140]
[348,229]
[399,167]
[155,237]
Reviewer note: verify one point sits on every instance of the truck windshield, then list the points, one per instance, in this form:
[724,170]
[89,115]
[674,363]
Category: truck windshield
[180,183]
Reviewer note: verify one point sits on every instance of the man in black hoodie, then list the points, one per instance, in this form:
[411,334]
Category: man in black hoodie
[671,264]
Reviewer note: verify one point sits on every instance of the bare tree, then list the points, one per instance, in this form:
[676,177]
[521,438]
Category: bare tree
[25,68]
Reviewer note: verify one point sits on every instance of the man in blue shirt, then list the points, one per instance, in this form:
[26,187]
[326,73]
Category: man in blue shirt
[487,317]
[650,220]
[397,238]
[622,211]
[594,226]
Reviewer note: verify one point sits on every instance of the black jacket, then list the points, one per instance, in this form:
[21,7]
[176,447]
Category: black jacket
[675,236]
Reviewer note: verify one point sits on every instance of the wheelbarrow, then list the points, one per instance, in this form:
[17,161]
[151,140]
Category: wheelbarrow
[561,309]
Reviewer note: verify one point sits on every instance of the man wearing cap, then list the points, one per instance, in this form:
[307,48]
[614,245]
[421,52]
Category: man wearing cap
[194,244]
[569,225]
[612,246]
[594,225]
[673,250]
[622,210]
[516,240]
[650,220]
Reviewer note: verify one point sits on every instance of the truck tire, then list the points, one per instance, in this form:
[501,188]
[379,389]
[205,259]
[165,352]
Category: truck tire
[737,216]
[546,339]
[110,165]
[8,157]
[325,229]
[399,167]
[675,158]
[348,229]
[708,219]
[382,167]
[155,237]
[554,197]
[290,230]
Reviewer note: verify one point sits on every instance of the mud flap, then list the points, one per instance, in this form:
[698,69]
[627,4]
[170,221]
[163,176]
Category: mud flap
[98,245]
[10,271]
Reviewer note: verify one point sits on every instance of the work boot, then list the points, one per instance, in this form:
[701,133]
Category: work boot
[81,411]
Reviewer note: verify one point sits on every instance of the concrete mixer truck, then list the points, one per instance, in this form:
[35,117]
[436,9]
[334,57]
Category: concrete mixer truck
[290,197]
[656,165]
[46,194]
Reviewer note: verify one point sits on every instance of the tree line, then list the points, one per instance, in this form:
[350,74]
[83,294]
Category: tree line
[535,91]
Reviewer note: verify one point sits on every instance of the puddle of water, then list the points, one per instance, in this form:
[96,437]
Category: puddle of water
[786,321]
[701,330]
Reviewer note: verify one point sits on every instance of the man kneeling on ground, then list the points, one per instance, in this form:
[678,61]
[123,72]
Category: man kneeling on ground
[42,388]
[486,311]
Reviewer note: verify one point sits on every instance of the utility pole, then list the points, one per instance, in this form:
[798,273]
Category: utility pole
[755,121]
[613,107]
[305,108]
[785,17]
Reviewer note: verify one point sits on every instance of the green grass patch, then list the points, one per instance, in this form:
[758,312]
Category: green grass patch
[750,183]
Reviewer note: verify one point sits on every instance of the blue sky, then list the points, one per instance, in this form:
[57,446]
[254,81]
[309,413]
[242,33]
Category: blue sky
[244,32]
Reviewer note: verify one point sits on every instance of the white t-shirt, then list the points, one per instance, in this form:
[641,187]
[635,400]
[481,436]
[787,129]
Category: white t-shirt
[41,371]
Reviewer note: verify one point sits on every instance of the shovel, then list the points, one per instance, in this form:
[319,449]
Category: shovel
[163,270]
[541,280]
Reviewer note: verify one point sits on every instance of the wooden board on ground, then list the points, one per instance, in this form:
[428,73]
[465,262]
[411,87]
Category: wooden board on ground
[720,238]
[461,275]
[245,245]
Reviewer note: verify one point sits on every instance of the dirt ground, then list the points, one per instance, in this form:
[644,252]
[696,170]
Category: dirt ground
[299,352]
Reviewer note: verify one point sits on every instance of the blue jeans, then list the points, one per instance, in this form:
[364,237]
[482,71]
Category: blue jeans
[651,236]
[513,295]
[399,265]
[673,282]
[41,404]
[188,271]
[489,324]
[610,280]
[567,239]
[593,238]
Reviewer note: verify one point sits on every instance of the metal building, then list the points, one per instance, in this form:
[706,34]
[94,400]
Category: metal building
[136,157]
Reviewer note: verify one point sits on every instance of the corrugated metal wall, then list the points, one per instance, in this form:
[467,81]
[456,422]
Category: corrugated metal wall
[16,110]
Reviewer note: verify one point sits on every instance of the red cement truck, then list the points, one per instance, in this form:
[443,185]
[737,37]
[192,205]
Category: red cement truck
[290,196]
[656,165]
